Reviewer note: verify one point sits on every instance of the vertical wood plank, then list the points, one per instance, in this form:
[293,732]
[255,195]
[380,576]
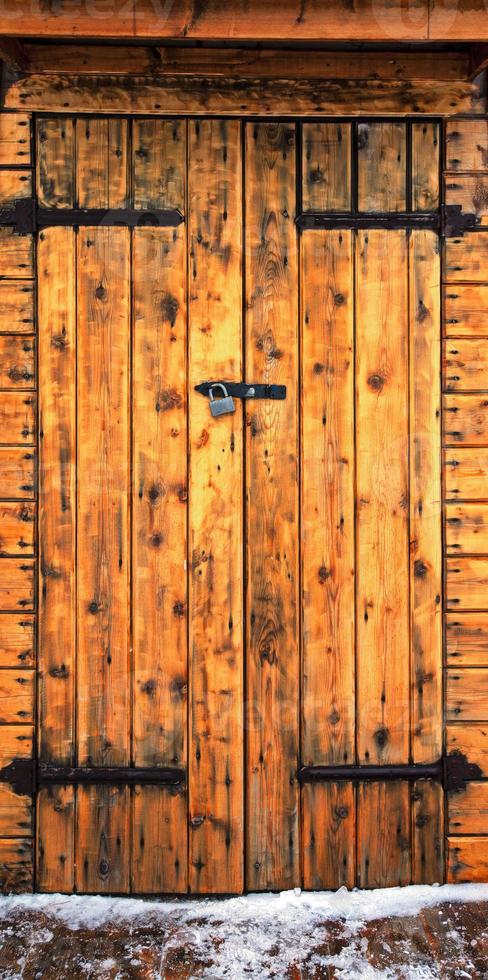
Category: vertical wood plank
[428,832]
[384,836]
[326,166]
[425,497]
[102,839]
[382,439]
[159,841]
[158,163]
[55,164]
[381,166]
[102,163]
[425,166]
[103,489]
[329,835]
[272,511]
[215,518]
[57,502]
[55,839]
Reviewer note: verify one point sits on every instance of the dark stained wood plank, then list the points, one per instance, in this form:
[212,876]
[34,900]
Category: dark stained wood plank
[17,473]
[17,362]
[15,185]
[16,306]
[427,803]
[466,473]
[326,166]
[466,144]
[102,165]
[329,835]
[327,498]
[467,639]
[131,60]
[272,819]
[56,257]
[17,528]
[55,871]
[102,839]
[16,817]
[159,163]
[381,166]
[17,640]
[216,755]
[382,434]
[55,163]
[16,865]
[466,583]
[17,586]
[103,488]
[16,696]
[465,311]
[384,836]
[425,499]
[467,694]
[15,148]
[426,144]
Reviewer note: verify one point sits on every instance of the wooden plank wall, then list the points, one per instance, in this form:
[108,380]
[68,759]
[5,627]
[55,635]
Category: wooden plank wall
[465,428]
[18,433]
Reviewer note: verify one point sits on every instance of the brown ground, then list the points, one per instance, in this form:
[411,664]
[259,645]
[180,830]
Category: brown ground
[449,941]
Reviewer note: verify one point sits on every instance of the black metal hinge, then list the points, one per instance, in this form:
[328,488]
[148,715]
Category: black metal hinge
[26,776]
[455,221]
[453,771]
[309,220]
[26,218]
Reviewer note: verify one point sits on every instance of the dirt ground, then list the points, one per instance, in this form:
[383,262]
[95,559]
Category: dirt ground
[448,941]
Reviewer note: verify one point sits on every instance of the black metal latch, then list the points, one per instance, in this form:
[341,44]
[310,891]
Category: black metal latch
[240,389]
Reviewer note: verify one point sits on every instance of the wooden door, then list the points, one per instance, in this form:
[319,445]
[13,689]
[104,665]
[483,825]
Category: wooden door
[231,606]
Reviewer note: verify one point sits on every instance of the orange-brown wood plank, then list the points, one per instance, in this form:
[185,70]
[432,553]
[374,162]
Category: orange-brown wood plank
[159,550]
[425,500]
[471,740]
[470,193]
[55,870]
[17,640]
[15,185]
[427,809]
[466,473]
[16,743]
[465,420]
[326,166]
[215,514]
[102,166]
[329,835]
[103,694]
[425,166]
[16,696]
[384,834]
[16,306]
[16,255]
[16,528]
[16,865]
[466,259]
[102,839]
[17,418]
[55,163]
[381,166]
[467,695]
[57,509]
[17,585]
[16,817]
[466,144]
[466,529]
[273,853]
[17,473]
[467,639]
[159,163]
[17,362]
[465,364]
[468,810]
[15,148]
[465,310]
[467,859]
[382,438]
[467,583]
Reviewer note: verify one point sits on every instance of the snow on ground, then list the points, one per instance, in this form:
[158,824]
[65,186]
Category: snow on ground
[262,936]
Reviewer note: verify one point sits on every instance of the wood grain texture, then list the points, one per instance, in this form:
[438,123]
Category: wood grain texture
[465,311]
[17,362]
[216,511]
[102,166]
[159,862]
[466,144]
[327,498]
[470,740]
[16,865]
[178,95]
[427,808]
[272,818]
[467,583]
[381,166]
[329,833]
[382,437]
[55,162]
[16,306]
[16,529]
[384,835]
[466,473]
[425,498]
[16,255]
[16,818]
[17,640]
[159,163]
[466,259]
[467,639]
[467,695]
[16,696]
[15,185]
[15,149]
[426,145]
[103,488]
[17,584]
[465,365]
[326,166]
[56,258]
[465,419]
[102,839]
[466,529]
[16,743]
[17,473]
[55,868]
[18,423]
[468,810]
[470,193]
[467,859]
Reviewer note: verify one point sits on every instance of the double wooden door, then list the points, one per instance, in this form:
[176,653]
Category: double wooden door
[228,603]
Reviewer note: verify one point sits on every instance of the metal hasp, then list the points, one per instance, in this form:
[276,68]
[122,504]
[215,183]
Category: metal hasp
[240,389]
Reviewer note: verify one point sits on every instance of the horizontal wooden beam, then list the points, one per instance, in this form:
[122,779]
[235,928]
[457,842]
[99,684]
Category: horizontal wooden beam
[13,54]
[246,63]
[177,95]
[266,20]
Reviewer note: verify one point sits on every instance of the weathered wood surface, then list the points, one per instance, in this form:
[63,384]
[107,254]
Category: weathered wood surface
[466,529]
[466,144]
[16,696]
[426,148]
[17,362]
[55,870]
[16,863]
[329,835]
[467,859]
[55,163]
[17,640]
[465,364]
[468,810]
[467,583]
[427,806]
[381,166]
[326,166]
[16,255]
[16,528]
[15,145]
[159,163]
[466,420]
[102,840]
[16,816]
[15,185]
[16,742]
[472,741]
[17,585]
[467,695]
[16,306]
[181,94]
[470,193]
[465,310]
[466,259]
[384,838]
[466,473]
[467,639]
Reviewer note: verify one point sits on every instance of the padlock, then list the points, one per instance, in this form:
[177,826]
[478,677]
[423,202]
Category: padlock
[221,406]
